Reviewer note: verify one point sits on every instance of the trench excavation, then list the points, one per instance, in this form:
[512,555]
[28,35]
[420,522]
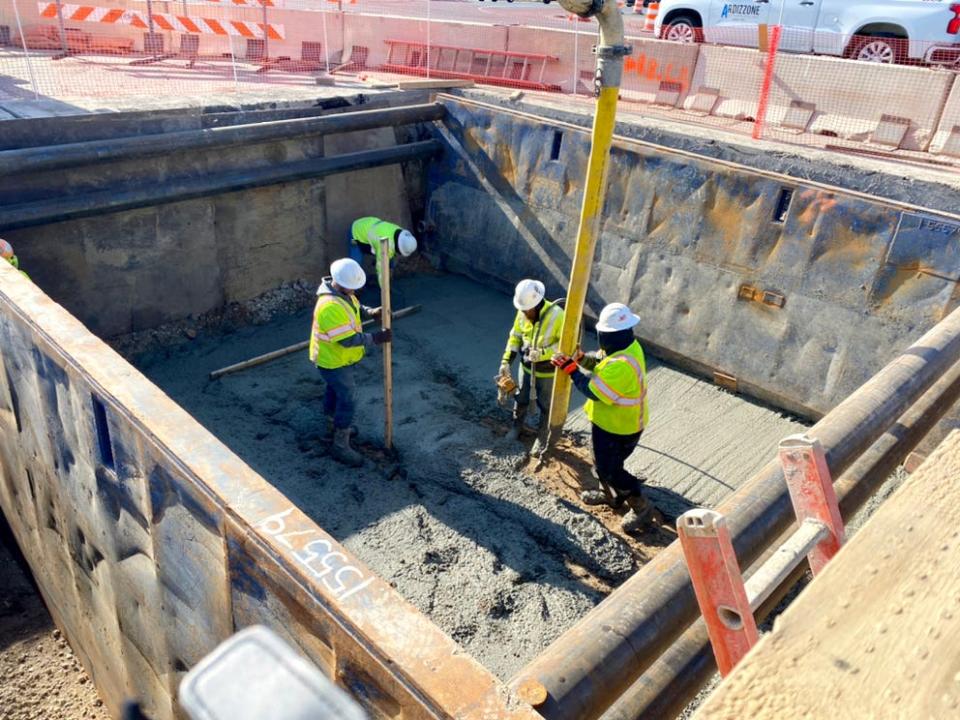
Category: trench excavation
[500,559]
[765,302]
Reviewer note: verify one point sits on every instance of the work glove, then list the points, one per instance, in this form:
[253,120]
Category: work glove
[382,336]
[564,363]
[375,313]
[588,361]
[505,385]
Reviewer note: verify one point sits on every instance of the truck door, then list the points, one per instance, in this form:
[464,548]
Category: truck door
[799,22]
[736,22]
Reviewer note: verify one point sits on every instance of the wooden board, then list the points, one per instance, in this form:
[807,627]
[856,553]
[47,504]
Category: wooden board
[877,634]
[387,322]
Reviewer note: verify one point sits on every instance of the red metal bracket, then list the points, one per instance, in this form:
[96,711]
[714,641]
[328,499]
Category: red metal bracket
[811,491]
[718,584]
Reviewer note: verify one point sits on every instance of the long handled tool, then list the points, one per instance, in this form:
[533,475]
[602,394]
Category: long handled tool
[283,352]
[387,347]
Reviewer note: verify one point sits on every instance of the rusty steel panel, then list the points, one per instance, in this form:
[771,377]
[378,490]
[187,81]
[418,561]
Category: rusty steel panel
[152,542]
[841,288]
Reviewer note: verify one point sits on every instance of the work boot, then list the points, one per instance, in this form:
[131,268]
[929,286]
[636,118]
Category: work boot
[520,430]
[599,497]
[328,430]
[597,493]
[638,516]
[342,451]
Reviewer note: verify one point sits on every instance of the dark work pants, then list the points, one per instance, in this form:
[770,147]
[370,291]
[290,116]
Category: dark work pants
[338,399]
[610,452]
[522,397]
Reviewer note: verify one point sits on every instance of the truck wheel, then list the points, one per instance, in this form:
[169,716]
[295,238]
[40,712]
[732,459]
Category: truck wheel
[684,29]
[886,49]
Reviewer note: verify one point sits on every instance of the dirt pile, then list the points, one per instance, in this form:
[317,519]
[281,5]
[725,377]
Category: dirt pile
[41,677]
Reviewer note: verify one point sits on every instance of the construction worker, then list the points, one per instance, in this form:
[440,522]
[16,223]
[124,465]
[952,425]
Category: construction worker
[6,252]
[535,337]
[371,231]
[616,393]
[337,343]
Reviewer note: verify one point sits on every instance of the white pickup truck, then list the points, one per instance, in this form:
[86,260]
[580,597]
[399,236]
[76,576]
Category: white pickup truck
[887,31]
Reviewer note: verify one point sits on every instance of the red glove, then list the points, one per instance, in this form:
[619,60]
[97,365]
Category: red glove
[565,363]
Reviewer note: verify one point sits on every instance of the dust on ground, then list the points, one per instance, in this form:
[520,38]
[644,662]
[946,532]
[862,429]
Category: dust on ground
[40,677]
[503,560]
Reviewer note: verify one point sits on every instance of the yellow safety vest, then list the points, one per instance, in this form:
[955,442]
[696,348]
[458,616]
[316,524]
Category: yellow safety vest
[335,319]
[620,381]
[543,335]
[369,230]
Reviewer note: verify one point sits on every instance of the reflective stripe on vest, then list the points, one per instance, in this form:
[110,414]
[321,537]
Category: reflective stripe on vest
[331,335]
[536,333]
[615,397]
[614,411]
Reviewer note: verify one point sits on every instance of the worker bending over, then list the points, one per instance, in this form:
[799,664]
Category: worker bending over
[6,252]
[535,337]
[337,343]
[616,393]
[371,231]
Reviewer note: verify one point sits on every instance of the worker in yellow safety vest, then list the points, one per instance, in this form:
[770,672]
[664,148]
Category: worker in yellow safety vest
[535,337]
[337,343]
[616,392]
[6,252]
[371,231]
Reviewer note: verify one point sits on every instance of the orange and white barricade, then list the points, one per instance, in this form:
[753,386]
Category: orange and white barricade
[162,21]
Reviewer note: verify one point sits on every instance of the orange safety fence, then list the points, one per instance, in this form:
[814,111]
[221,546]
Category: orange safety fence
[868,94]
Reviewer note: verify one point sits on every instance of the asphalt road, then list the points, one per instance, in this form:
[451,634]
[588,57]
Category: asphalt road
[530,14]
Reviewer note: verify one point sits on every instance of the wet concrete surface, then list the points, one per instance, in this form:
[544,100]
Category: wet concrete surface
[470,537]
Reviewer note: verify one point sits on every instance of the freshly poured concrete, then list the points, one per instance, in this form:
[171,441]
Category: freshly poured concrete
[478,545]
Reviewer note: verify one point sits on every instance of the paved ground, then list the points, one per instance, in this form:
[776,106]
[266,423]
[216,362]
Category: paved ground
[470,536]
[110,84]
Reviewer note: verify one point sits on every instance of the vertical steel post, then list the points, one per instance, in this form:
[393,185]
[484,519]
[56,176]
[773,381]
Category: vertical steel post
[718,585]
[610,54]
[233,64]
[26,52]
[429,33]
[768,71]
[149,18]
[63,31]
[326,41]
[812,493]
[266,33]
[576,55]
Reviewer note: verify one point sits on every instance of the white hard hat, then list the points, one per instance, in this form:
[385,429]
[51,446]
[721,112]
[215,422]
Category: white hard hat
[6,249]
[406,243]
[528,294]
[615,317]
[348,274]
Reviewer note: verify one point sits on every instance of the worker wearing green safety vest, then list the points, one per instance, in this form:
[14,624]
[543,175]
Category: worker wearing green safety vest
[616,392]
[371,231]
[6,252]
[337,343]
[535,337]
